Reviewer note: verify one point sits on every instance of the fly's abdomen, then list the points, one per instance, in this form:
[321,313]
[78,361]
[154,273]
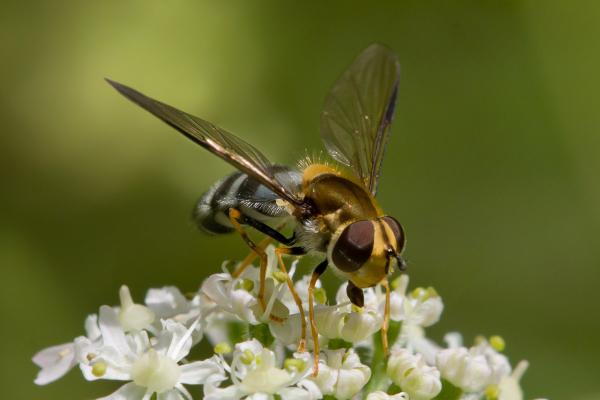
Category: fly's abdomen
[246,194]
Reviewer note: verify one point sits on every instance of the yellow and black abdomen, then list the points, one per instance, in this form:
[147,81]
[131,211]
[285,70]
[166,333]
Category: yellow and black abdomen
[246,194]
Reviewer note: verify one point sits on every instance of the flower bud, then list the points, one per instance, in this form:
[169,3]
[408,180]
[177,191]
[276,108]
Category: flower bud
[509,387]
[359,326]
[133,317]
[343,375]
[413,376]
[428,309]
[329,321]
[469,372]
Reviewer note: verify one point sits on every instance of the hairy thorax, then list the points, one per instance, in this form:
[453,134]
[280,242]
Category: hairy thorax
[337,199]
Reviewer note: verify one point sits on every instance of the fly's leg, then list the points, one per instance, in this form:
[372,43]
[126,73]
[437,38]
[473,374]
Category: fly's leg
[272,235]
[235,216]
[311,313]
[293,251]
[386,316]
[251,257]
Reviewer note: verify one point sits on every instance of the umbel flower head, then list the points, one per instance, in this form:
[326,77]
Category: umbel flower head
[147,346]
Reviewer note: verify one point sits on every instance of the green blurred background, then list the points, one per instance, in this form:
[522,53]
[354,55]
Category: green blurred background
[492,166]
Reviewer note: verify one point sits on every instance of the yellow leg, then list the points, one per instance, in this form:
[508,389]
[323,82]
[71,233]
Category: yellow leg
[234,215]
[251,257]
[311,314]
[279,252]
[386,316]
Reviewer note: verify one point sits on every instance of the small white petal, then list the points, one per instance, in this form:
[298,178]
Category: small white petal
[135,317]
[125,296]
[413,376]
[326,379]
[132,316]
[167,302]
[129,391]
[289,331]
[329,320]
[341,297]
[214,288]
[311,387]
[92,331]
[175,339]
[359,326]
[426,347]
[402,285]
[341,374]
[54,362]
[509,386]
[351,381]
[499,364]
[453,340]
[85,349]
[114,371]
[429,311]
[265,380]
[200,372]
[467,371]
[212,392]
[241,303]
[396,307]
[112,332]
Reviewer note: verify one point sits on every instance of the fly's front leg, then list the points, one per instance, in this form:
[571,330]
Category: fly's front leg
[311,313]
[293,251]
[386,317]
[235,216]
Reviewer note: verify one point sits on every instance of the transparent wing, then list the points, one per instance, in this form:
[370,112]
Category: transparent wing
[229,147]
[358,112]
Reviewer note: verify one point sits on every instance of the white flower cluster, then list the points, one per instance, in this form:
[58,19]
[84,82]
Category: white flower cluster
[148,346]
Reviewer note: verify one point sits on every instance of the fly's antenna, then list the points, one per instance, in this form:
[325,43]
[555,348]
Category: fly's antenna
[402,264]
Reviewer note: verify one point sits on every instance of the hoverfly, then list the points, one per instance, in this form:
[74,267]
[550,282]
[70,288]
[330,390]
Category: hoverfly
[333,207]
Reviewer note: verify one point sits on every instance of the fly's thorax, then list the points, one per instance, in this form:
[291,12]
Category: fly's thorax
[337,198]
[363,251]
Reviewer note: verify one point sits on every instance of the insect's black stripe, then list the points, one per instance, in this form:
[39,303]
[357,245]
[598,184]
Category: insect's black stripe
[267,230]
[227,190]
[379,142]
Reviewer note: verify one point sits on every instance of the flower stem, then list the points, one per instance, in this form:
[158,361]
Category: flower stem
[379,380]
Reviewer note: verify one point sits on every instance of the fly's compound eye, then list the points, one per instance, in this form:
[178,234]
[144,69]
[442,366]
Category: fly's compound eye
[398,232]
[354,246]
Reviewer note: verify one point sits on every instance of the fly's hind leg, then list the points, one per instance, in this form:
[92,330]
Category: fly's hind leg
[271,235]
[293,251]
[235,216]
[237,219]
[246,262]
[311,313]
